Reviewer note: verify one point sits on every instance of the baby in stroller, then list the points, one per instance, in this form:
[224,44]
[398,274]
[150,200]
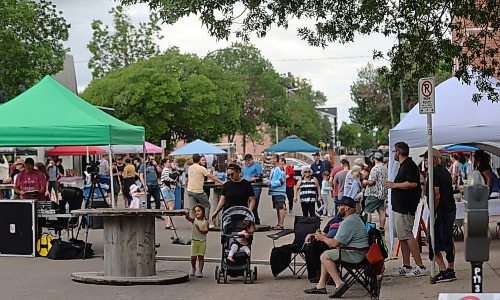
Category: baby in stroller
[241,243]
[237,228]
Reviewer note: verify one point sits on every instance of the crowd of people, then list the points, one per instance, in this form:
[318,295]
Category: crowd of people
[348,195]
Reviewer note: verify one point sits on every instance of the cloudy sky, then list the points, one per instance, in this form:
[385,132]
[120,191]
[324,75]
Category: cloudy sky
[331,70]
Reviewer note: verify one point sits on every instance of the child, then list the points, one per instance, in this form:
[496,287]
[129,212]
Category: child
[326,189]
[198,239]
[242,242]
[136,194]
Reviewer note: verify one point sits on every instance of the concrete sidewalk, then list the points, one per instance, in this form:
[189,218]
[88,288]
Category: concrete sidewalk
[41,278]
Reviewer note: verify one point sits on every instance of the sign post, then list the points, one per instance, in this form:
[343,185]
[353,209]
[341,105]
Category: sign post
[426,101]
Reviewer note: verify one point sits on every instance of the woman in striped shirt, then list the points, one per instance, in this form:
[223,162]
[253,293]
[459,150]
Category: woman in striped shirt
[307,191]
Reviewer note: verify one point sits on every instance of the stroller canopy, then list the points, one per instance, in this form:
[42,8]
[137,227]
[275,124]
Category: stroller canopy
[233,214]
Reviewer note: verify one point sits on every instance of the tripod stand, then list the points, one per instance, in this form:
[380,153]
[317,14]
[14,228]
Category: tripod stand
[89,201]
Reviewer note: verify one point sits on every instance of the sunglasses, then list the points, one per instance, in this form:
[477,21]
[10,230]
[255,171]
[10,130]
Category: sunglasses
[307,171]
[230,174]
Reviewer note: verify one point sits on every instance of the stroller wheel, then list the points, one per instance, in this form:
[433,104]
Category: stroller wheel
[224,273]
[245,276]
[251,275]
[217,274]
[255,273]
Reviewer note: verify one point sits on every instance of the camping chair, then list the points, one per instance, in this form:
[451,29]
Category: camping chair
[367,275]
[302,226]
[73,196]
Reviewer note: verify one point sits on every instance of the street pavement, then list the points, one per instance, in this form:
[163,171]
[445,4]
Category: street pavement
[41,278]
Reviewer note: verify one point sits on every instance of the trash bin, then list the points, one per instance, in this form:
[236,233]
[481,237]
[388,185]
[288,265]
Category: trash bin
[179,197]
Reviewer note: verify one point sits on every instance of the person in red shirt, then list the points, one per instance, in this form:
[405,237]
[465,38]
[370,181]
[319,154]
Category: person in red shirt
[290,183]
[31,183]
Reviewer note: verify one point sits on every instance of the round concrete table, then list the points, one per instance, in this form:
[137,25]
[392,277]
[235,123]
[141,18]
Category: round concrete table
[129,248]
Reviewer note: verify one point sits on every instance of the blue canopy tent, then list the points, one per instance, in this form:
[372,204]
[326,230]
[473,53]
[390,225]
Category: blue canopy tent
[458,148]
[198,147]
[292,144]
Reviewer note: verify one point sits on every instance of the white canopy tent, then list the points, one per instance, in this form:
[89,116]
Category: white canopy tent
[458,120]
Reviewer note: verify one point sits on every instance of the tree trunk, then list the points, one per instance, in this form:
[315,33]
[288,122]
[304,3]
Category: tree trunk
[244,143]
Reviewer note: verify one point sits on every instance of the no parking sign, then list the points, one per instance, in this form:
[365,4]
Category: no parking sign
[426,95]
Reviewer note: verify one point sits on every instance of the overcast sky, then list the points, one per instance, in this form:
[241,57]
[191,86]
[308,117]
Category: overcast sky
[331,70]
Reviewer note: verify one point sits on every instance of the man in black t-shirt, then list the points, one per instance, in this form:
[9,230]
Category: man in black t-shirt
[235,192]
[445,210]
[405,196]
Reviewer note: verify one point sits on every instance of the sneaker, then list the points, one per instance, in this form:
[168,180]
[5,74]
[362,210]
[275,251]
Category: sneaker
[417,271]
[401,271]
[193,271]
[199,275]
[445,276]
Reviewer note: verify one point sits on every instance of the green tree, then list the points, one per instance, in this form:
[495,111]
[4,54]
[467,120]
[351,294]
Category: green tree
[370,93]
[174,96]
[421,29]
[296,113]
[31,36]
[353,136]
[261,88]
[125,45]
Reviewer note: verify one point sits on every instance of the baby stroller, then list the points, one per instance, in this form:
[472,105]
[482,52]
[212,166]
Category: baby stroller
[232,223]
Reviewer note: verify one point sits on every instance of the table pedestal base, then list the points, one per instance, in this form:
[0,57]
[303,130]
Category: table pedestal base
[161,277]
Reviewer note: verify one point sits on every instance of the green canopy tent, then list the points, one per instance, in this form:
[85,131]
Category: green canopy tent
[48,114]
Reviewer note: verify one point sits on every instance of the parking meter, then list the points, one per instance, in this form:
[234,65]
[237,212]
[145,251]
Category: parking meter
[477,231]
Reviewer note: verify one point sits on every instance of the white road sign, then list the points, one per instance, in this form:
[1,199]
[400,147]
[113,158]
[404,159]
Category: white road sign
[426,93]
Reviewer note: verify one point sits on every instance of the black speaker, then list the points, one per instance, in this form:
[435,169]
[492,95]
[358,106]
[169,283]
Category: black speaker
[18,227]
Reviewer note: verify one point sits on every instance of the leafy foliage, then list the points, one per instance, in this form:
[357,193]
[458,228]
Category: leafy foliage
[31,36]
[174,96]
[370,93]
[126,45]
[353,136]
[422,29]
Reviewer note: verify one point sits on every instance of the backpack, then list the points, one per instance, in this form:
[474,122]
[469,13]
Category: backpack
[378,251]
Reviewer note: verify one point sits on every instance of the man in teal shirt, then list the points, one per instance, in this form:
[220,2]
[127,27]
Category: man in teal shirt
[352,233]
[252,172]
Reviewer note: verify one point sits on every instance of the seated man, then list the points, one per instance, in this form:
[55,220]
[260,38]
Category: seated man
[352,233]
[313,247]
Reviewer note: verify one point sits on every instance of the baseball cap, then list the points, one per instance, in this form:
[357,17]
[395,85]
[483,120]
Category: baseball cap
[359,161]
[248,156]
[378,156]
[29,160]
[343,157]
[347,201]
[435,153]
[356,169]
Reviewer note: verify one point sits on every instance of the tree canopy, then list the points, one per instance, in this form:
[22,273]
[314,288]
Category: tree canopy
[422,29]
[122,45]
[31,36]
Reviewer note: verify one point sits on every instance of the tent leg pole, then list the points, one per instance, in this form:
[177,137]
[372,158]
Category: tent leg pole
[111,177]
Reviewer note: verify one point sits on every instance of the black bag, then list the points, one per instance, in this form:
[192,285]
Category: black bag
[69,250]
[280,259]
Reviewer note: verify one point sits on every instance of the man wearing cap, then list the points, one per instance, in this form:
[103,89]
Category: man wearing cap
[351,233]
[318,167]
[31,183]
[405,196]
[252,172]
[376,192]
[444,203]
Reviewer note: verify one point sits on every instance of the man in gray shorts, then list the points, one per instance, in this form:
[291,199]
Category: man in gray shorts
[405,196]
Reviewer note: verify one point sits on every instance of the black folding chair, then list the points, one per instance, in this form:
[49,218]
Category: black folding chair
[74,197]
[302,226]
[368,276]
